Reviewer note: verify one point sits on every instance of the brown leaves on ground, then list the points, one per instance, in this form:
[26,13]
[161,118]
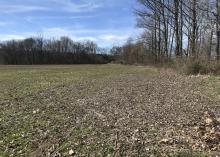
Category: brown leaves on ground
[207,133]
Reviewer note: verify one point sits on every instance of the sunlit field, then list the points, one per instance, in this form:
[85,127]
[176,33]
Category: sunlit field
[38,111]
[106,110]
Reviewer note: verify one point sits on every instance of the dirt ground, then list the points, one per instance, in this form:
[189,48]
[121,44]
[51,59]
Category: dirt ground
[136,111]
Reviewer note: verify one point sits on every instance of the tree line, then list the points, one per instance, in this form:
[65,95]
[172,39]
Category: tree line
[64,50]
[182,29]
[179,29]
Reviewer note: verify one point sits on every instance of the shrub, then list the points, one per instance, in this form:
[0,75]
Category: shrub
[195,67]
[202,67]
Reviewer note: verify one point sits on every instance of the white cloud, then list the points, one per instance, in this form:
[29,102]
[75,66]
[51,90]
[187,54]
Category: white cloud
[104,38]
[70,6]
[49,5]
[3,23]
[56,32]
[112,38]
[5,37]
[85,38]
[81,7]
[74,34]
[20,8]
[31,18]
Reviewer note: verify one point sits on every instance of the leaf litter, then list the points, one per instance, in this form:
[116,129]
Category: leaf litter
[131,115]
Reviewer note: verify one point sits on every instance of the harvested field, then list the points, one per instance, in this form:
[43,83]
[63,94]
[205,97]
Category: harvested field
[106,110]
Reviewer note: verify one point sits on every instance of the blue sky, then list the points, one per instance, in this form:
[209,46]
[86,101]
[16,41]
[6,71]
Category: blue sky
[108,22]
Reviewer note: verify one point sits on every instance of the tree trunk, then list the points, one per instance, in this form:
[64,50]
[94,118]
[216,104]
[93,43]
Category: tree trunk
[217,30]
[210,46]
[194,29]
[165,23]
[176,19]
[181,28]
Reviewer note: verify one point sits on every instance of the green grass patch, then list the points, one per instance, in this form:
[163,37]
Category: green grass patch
[21,81]
[211,85]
